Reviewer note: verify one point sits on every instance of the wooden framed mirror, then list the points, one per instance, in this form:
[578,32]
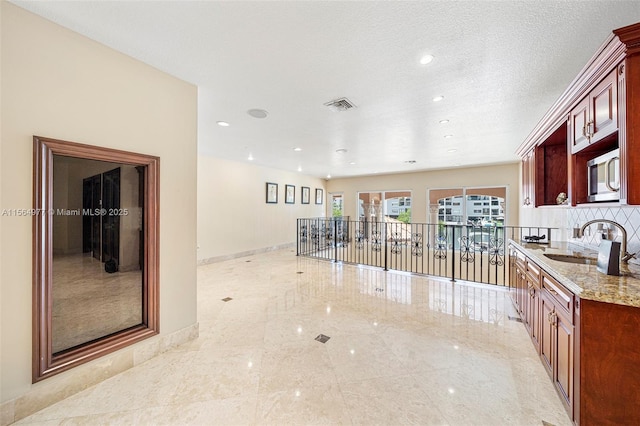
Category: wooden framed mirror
[95,252]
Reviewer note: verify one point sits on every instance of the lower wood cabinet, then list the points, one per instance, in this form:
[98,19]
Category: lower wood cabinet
[525,291]
[557,347]
[546,310]
[590,349]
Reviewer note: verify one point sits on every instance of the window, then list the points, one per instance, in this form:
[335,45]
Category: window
[471,206]
[384,206]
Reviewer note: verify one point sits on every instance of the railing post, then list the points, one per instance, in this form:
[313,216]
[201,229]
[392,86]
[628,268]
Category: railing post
[453,252]
[320,236]
[384,235]
[298,237]
[335,240]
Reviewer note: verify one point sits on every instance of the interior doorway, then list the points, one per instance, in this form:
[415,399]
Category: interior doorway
[101,216]
[337,206]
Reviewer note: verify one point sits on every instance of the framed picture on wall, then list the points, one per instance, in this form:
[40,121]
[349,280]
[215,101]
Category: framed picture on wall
[289,194]
[305,194]
[319,196]
[272,193]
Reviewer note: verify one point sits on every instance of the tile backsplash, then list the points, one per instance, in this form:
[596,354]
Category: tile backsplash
[627,216]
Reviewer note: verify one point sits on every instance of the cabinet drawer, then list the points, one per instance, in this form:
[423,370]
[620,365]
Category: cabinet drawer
[533,271]
[562,297]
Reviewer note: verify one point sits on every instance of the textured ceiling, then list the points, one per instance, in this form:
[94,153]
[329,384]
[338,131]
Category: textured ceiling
[499,65]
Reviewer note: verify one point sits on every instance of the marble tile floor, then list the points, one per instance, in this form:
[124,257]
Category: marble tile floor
[402,349]
[89,303]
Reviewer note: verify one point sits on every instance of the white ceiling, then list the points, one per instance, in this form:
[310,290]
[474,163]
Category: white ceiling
[499,65]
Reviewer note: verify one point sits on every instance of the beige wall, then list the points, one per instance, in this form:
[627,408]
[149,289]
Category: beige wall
[233,216]
[56,83]
[420,182]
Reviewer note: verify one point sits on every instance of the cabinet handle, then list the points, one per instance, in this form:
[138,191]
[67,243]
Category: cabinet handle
[584,131]
[527,201]
[552,291]
[590,129]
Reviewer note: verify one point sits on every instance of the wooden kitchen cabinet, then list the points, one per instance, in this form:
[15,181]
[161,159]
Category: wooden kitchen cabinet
[563,364]
[596,116]
[589,348]
[579,117]
[546,334]
[528,179]
[557,337]
[525,288]
[557,347]
[531,301]
[600,110]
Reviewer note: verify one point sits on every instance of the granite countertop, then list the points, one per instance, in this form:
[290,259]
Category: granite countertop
[585,281]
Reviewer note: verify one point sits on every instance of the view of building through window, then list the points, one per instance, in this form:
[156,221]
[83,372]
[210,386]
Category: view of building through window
[472,209]
[468,206]
[385,206]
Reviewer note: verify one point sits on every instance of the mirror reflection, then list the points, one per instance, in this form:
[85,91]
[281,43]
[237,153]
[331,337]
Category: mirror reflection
[98,253]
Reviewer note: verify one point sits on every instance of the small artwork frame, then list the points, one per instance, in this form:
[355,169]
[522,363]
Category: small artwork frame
[305,194]
[319,196]
[272,193]
[290,194]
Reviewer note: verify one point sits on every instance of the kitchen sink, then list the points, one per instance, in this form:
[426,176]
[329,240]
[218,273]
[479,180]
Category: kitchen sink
[571,259]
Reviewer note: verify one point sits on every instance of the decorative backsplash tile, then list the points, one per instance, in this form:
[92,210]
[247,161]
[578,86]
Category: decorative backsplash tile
[628,217]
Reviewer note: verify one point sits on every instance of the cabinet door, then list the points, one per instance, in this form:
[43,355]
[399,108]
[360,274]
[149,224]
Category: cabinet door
[534,317]
[578,127]
[604,108]
[512,272]
[528,179]
[547,332]
[563,368]
[522,285]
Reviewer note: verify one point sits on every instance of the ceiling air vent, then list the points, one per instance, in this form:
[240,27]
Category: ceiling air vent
[342,104]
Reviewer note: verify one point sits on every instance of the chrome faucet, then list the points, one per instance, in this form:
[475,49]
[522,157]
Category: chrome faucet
[624,255]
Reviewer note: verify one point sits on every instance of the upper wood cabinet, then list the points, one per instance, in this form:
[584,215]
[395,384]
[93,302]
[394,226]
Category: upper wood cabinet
[600,111]
[544,170]
[596,116]
[579,121]
[528,179]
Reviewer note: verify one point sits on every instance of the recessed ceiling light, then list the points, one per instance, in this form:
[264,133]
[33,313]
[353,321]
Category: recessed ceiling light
[328,176]
[250,158]
[452,150]
[352,163]
[448,136]
[438,98]
[223,123]
[299,168]
[297,149]
[426,59]
[341,150]
[445,121]
[257,113]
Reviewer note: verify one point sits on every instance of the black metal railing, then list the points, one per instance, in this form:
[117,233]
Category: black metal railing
[464,252]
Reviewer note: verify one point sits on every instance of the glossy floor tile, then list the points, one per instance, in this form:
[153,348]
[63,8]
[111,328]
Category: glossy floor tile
[89,303]
[402,349]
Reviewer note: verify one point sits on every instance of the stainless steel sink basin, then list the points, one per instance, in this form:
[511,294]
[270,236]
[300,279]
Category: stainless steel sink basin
[571,259]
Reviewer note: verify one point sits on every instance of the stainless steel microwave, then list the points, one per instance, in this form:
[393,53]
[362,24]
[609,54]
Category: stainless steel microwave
[604,177]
